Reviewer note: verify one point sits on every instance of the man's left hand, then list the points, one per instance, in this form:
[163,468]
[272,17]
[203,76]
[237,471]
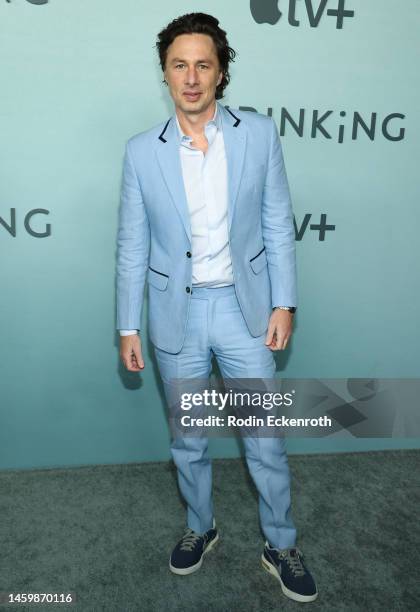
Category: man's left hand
[279,329]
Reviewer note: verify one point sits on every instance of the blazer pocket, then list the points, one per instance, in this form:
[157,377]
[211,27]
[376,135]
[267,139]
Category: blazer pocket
[259,261]
[157,279]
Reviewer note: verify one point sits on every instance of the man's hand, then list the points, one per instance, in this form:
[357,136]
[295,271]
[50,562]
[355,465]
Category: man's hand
[130,352]
[279,329]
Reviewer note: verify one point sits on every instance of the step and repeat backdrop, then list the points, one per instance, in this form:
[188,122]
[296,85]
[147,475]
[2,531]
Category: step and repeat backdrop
[340,78]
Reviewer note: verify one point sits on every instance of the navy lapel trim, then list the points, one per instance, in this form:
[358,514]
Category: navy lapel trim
[163,131]
[237,122]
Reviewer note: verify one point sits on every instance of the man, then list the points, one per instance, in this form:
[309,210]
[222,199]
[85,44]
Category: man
[206,218]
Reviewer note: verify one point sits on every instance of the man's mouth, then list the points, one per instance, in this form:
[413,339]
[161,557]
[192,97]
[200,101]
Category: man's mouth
[192,96]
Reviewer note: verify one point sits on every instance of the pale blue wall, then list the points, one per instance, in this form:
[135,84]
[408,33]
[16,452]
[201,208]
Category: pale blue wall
[78,78]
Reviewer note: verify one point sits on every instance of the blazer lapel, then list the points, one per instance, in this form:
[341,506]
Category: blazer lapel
[167,153]
[234,136]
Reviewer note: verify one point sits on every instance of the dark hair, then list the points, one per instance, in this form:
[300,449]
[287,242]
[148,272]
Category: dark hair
[199,23]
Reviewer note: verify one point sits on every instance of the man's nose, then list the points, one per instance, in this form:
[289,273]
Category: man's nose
[191,76]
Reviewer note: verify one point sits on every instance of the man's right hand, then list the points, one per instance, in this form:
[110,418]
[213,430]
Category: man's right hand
[130,352]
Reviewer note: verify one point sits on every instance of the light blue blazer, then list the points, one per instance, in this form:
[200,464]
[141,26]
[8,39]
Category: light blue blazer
[154,233]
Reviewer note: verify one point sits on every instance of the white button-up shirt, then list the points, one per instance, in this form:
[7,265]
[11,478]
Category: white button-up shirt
[206,187]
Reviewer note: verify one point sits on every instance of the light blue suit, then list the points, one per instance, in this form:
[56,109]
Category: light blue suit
[154,218]
[188,325]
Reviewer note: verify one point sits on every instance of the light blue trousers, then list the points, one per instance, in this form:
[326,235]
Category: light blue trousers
[216,326]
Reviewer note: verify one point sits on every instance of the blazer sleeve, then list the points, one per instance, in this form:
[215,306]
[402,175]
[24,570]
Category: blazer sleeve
[133,245]
[278,227]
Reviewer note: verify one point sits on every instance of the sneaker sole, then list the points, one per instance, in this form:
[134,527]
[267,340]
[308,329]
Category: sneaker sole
[291,594]
[184,571]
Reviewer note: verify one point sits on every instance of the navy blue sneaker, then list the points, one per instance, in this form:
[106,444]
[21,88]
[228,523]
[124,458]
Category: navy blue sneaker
[287,565]
[187,556]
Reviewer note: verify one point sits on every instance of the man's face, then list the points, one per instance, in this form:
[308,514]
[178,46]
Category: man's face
[192,72]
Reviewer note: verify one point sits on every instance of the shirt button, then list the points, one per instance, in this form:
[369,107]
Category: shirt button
[188,289]
[188,254]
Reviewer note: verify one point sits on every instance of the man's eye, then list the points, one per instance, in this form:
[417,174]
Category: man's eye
[203,66]
[179,65]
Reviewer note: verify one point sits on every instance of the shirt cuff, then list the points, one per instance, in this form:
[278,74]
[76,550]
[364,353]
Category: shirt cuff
[128,332]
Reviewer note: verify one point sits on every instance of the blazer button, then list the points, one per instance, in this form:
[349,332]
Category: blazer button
[188,254]
[188,289]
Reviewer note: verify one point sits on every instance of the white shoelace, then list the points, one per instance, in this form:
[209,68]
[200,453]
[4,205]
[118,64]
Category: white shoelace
[293,559]
[189,540]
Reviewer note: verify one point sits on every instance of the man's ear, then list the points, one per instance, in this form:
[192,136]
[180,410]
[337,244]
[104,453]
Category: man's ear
[219,80]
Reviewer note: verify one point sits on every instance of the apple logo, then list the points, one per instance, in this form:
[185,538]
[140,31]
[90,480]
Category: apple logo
[34,1]
[265,11]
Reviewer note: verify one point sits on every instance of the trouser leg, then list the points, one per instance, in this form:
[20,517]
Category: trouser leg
[190,454]
[240,356]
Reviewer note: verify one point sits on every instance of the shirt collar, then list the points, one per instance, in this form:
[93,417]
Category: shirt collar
[209,131]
